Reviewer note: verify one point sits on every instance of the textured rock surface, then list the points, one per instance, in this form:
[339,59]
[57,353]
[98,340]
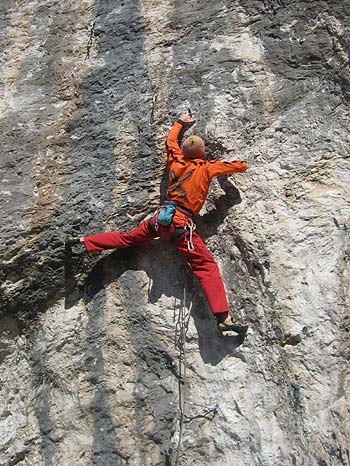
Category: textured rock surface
[101,363]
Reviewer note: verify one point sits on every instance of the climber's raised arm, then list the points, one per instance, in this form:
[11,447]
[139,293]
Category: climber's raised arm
[184,122]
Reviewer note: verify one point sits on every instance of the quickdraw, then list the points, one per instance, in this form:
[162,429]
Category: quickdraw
[189,229]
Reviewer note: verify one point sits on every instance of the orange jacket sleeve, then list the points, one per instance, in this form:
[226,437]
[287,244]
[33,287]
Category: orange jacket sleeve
[172,143]
[217,167]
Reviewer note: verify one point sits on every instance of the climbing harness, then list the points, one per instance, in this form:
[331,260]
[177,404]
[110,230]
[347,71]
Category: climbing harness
[165,216]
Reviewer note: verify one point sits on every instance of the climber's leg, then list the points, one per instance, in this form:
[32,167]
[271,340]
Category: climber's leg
[113,240]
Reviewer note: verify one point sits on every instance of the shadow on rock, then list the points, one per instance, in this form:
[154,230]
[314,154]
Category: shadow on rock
[163,266]
[168,275]
[213,345]
[208,223]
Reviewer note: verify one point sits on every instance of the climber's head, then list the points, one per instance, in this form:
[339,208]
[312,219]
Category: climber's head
[193,148]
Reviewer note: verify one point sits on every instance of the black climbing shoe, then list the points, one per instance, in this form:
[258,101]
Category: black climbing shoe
[230,326]
[70,240]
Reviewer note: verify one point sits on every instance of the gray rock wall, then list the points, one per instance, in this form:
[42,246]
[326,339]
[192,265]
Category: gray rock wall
[114,359]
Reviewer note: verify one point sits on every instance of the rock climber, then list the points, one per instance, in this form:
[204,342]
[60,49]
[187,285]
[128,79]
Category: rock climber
[190,175]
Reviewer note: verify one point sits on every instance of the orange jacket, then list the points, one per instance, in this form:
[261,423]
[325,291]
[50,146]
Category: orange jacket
[189,180]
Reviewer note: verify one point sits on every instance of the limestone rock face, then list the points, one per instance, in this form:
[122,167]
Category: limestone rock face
[114,359]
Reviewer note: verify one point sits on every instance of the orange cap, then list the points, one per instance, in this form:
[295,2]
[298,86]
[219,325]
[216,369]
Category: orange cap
[193,148]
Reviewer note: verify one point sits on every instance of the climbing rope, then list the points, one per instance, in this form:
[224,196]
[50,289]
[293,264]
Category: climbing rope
[181,328]
[180,344]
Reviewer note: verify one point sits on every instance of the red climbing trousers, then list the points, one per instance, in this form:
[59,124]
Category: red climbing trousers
[189,244]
